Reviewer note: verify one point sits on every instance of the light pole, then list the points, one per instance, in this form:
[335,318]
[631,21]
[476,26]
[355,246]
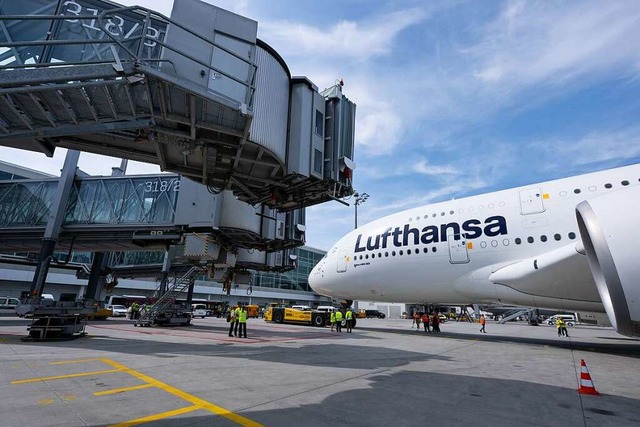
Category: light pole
[360,199]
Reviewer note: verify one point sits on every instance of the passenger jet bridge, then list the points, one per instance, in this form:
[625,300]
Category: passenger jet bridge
[151,212]
[197,94]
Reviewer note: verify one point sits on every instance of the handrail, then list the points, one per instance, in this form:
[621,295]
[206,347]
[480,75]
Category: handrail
[143,15]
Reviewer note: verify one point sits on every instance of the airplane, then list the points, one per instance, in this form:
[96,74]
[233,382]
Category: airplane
[567,244]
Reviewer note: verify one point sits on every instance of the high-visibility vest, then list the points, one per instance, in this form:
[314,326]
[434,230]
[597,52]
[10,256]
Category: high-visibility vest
[349,315]
[338,316]
[333,317]
[242,316]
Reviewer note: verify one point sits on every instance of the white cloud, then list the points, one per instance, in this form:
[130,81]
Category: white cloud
[593,148]
[424,168]
[361,40]
[531,43]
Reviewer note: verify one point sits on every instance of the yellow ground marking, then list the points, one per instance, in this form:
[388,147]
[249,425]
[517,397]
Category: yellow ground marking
[123,389]
[156,417]
[59,377]
[44,402]
[75,361]
[69,397]
[200,403]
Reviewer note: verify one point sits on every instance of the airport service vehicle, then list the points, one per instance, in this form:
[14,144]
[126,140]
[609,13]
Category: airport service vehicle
[567,244]
[569,319]
[294,315]
[118,310]
[102,313]
[253,310]
[374,313]
[8,303]
[198,310]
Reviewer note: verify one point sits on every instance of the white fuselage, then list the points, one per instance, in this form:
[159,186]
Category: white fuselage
[450,252]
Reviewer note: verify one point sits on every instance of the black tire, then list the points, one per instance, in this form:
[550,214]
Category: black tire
[318,320]
[278,317]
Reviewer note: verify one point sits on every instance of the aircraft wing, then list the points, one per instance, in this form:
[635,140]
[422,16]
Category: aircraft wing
[561,273]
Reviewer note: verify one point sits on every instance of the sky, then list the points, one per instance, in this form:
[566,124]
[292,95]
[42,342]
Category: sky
[454,98]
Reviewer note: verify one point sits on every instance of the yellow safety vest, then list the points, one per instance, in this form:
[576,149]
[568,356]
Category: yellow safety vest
[242,316]
[349,315]
[338,316]
[333,317]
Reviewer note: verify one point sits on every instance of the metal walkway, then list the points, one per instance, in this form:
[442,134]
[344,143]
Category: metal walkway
[131,83]
[126,213]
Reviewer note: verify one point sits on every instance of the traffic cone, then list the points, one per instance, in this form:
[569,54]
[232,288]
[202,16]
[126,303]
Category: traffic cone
[586,385]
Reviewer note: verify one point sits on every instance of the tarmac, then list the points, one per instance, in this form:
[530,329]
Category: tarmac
[384,373]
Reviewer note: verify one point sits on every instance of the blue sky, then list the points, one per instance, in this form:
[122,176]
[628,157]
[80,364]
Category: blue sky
[454,98]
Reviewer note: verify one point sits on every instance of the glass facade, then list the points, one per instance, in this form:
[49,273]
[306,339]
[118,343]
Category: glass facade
[26,202]
[123,200]
[296,279]
[6,176]
[93,201]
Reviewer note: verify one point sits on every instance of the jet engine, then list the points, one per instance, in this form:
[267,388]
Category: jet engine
[609,233]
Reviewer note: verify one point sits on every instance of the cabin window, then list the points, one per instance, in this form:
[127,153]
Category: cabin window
[557,236]
[543,238]
[572,235]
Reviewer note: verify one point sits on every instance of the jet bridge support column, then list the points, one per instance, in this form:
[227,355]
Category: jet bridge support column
[54,224]
[96,278]
[166,265]
[192,284]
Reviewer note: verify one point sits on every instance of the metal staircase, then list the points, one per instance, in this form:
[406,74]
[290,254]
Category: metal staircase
[510,315]
[165,311]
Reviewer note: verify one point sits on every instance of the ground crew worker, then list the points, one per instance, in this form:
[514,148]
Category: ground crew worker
[435,323]
[242,320]
[233,322]
[562,327]
[135,309]
[349,317]
[483,321]
[339,321]
[332,319]
[425,322]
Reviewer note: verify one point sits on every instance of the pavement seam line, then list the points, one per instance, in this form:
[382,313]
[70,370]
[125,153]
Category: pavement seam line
[239,419]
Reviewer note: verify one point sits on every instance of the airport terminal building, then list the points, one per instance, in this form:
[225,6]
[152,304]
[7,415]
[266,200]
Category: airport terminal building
[68,277]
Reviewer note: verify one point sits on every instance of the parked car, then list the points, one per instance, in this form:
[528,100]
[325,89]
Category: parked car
[442,317]
[375,313]
[9,303]
[198,310]
[569,319]
[118,310]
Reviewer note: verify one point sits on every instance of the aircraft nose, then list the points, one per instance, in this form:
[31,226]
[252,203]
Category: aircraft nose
[319,279]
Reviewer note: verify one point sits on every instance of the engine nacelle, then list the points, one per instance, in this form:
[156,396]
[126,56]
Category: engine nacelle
[608,226]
